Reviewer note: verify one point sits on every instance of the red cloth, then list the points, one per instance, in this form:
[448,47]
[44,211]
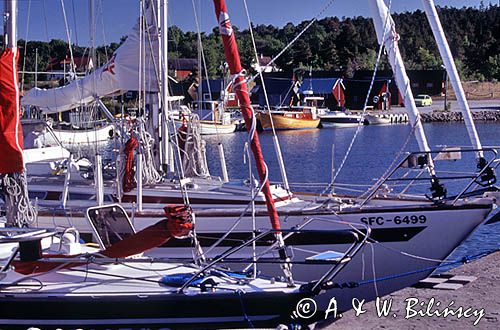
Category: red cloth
[11,133]
[128,178]
[178,224]
[233,60]
[182,134]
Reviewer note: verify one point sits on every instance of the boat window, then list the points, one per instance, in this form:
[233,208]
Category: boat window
[34,135]
[110,224]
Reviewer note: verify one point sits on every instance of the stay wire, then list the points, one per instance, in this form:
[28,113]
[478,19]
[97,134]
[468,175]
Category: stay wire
[377,63]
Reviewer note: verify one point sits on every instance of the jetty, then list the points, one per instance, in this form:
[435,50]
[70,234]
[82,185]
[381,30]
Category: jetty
[482,293]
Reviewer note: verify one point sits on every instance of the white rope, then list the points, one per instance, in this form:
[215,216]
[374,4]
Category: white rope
[194,162]
[68,35]
[149,173]
[20,212]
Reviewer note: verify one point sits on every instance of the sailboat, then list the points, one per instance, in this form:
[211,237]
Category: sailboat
[407,230]
[209,117]
[74,285]
[121,74]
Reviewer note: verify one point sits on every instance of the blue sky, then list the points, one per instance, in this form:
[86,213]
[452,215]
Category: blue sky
[117,16]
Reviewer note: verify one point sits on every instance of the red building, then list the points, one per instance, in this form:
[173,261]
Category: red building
[182,67]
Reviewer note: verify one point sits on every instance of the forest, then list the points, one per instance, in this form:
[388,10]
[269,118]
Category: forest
[345,44]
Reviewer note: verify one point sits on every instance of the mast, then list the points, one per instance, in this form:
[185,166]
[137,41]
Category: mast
[166,150]
[240,87]
[444,50]
[387,35]
[19,211]
[10,26]
[241,90]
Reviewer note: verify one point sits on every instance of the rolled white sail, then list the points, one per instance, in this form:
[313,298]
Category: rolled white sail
[119,75]
[387,35]
[444,50]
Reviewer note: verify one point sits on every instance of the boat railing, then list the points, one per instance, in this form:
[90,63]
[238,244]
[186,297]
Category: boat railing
[356,237]
[484,176]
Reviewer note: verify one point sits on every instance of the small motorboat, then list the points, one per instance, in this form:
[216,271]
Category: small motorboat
[340,119]
[289,118]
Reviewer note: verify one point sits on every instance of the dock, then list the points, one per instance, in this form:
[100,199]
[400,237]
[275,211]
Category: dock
[480,300]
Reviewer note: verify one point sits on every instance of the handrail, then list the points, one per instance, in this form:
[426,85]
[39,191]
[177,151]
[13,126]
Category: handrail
[474,178]
[263,234]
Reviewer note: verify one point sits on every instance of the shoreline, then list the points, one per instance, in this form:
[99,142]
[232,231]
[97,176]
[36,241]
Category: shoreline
[454,116]
[479,297]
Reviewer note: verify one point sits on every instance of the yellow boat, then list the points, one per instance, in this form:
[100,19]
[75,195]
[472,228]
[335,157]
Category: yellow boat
[300,117]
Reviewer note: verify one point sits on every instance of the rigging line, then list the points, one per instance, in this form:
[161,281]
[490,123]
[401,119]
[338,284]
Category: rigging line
[281,161]
[151,48]
[68,35]
[198,30]
[204,63]
[26,44]
[101,14]
[74,21]
[377,63]
[287,93]
[242,214]
[293,40]
[45,20]
[393,163]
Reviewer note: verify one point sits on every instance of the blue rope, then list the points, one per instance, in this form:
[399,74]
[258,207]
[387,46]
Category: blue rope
[463,260]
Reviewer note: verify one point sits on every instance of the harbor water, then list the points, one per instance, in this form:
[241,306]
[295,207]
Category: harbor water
[308,159]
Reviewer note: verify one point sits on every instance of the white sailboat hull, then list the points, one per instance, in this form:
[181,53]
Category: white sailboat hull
[208,127]
[74,138]
[408,240]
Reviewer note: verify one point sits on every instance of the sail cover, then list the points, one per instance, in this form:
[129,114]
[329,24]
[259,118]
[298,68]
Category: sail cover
[11,134]
[123,72]
[235,68]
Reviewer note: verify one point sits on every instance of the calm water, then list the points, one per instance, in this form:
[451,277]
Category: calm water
[308,157]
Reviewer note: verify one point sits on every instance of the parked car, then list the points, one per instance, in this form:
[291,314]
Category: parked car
[423,100]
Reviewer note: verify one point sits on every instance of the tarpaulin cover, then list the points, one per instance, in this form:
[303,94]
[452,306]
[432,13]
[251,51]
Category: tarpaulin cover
[11,134]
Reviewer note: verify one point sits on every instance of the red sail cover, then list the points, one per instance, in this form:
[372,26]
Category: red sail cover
[11,134]
[233,60]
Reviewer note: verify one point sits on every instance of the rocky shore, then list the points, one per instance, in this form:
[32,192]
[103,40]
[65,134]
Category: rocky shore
[449,116]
